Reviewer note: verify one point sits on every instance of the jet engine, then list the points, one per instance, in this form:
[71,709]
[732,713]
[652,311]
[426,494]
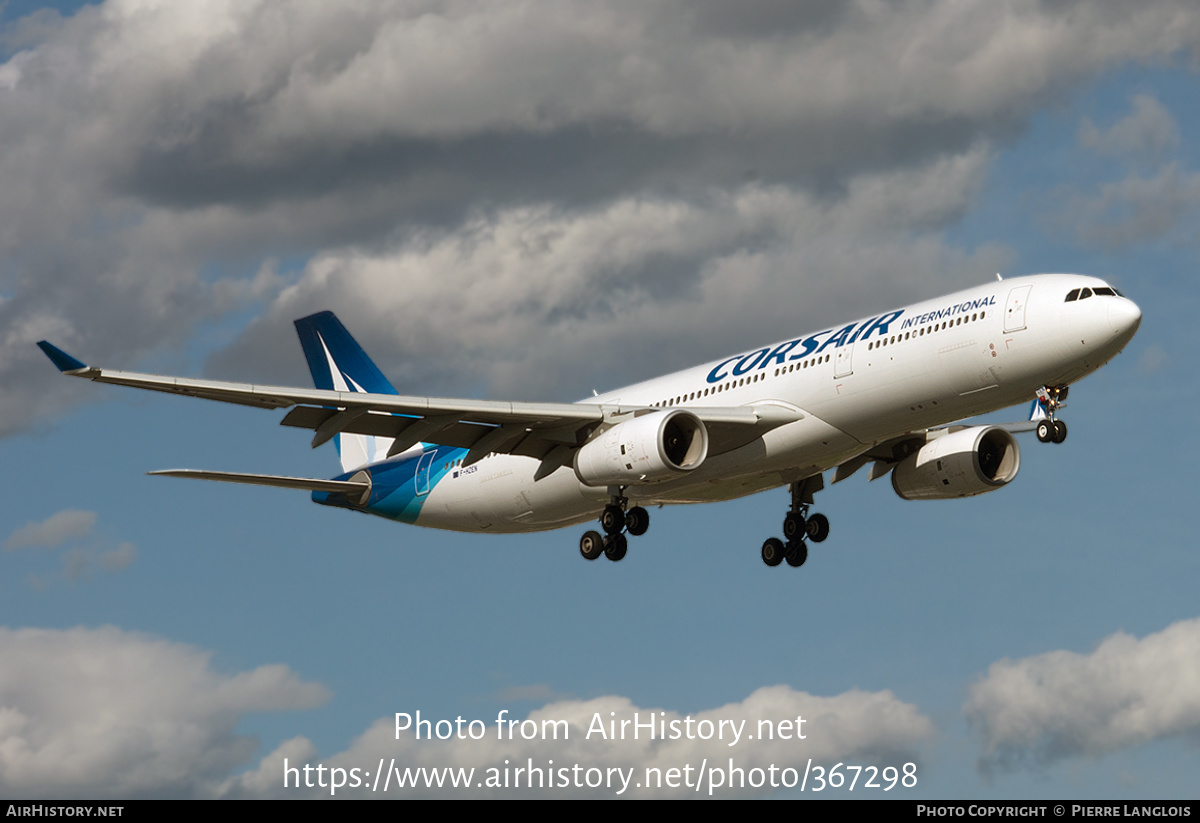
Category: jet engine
[968,462]
[646,449]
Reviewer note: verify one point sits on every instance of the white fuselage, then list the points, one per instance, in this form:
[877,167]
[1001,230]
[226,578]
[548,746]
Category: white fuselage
[853,386]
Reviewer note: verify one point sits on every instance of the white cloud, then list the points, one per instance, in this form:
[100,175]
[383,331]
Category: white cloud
[55,530]
[116,559]
[78,562]
[1147,133]
[110,713]
[1155,202]
[86,551]
[514,296]
[1136,209]
[1153,359]
[1061,705]
[855,727]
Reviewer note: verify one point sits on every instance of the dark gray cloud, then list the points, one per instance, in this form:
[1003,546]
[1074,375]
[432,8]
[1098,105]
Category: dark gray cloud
[532,102]
[154,157]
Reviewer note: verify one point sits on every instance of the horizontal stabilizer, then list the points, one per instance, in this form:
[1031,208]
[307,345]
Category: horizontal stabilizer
[358,488]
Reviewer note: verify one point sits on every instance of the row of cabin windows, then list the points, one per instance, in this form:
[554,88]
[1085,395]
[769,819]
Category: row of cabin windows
[687,398]
[813,361]
[803,364]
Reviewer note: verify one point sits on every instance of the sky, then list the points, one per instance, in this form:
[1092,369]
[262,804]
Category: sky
[529,201]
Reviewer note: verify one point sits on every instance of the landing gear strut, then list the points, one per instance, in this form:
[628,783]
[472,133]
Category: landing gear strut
[798,526]
[1051,399]
[614,520]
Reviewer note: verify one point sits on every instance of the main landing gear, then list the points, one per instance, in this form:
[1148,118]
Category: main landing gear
[1049,428]
[614,520]
[798,527]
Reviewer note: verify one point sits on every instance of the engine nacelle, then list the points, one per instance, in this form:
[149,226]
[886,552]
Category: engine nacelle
[968,462]
[646,449]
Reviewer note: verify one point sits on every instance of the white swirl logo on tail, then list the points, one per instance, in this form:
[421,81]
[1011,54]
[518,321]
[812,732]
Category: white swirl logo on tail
[355,449]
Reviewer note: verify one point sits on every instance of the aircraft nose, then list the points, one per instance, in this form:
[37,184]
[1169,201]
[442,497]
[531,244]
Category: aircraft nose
[1124,316]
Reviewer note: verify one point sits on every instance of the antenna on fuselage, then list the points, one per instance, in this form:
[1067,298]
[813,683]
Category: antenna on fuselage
[998,277]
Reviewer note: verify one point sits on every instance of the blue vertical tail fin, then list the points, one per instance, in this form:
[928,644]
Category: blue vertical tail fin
[338,363]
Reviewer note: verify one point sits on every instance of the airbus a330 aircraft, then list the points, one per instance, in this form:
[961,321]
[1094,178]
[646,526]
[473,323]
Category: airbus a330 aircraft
[881,390]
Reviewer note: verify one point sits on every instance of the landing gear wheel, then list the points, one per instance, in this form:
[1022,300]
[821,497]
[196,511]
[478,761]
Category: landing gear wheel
[615,546]
[817,528]
[772,551]
[793,525]
[796,554]
[1060,431]
[612,519]
[637,520]
[591,545]
[1046,430]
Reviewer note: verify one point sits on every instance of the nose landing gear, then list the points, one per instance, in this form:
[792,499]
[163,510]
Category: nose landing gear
[1050,400]
[798,526]
[614,520]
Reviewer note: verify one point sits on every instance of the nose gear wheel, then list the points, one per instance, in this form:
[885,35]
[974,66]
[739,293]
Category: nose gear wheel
[1050,429]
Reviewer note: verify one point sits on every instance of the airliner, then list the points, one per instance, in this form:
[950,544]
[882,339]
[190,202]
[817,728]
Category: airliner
[884,390]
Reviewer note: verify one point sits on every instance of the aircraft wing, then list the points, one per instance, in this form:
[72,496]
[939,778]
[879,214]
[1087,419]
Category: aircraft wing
[482,426]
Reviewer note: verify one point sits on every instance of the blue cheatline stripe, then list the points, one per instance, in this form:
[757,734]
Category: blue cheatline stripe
[395,485]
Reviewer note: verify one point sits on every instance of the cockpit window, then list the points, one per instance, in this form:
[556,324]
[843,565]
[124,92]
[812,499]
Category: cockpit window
[1099,291]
